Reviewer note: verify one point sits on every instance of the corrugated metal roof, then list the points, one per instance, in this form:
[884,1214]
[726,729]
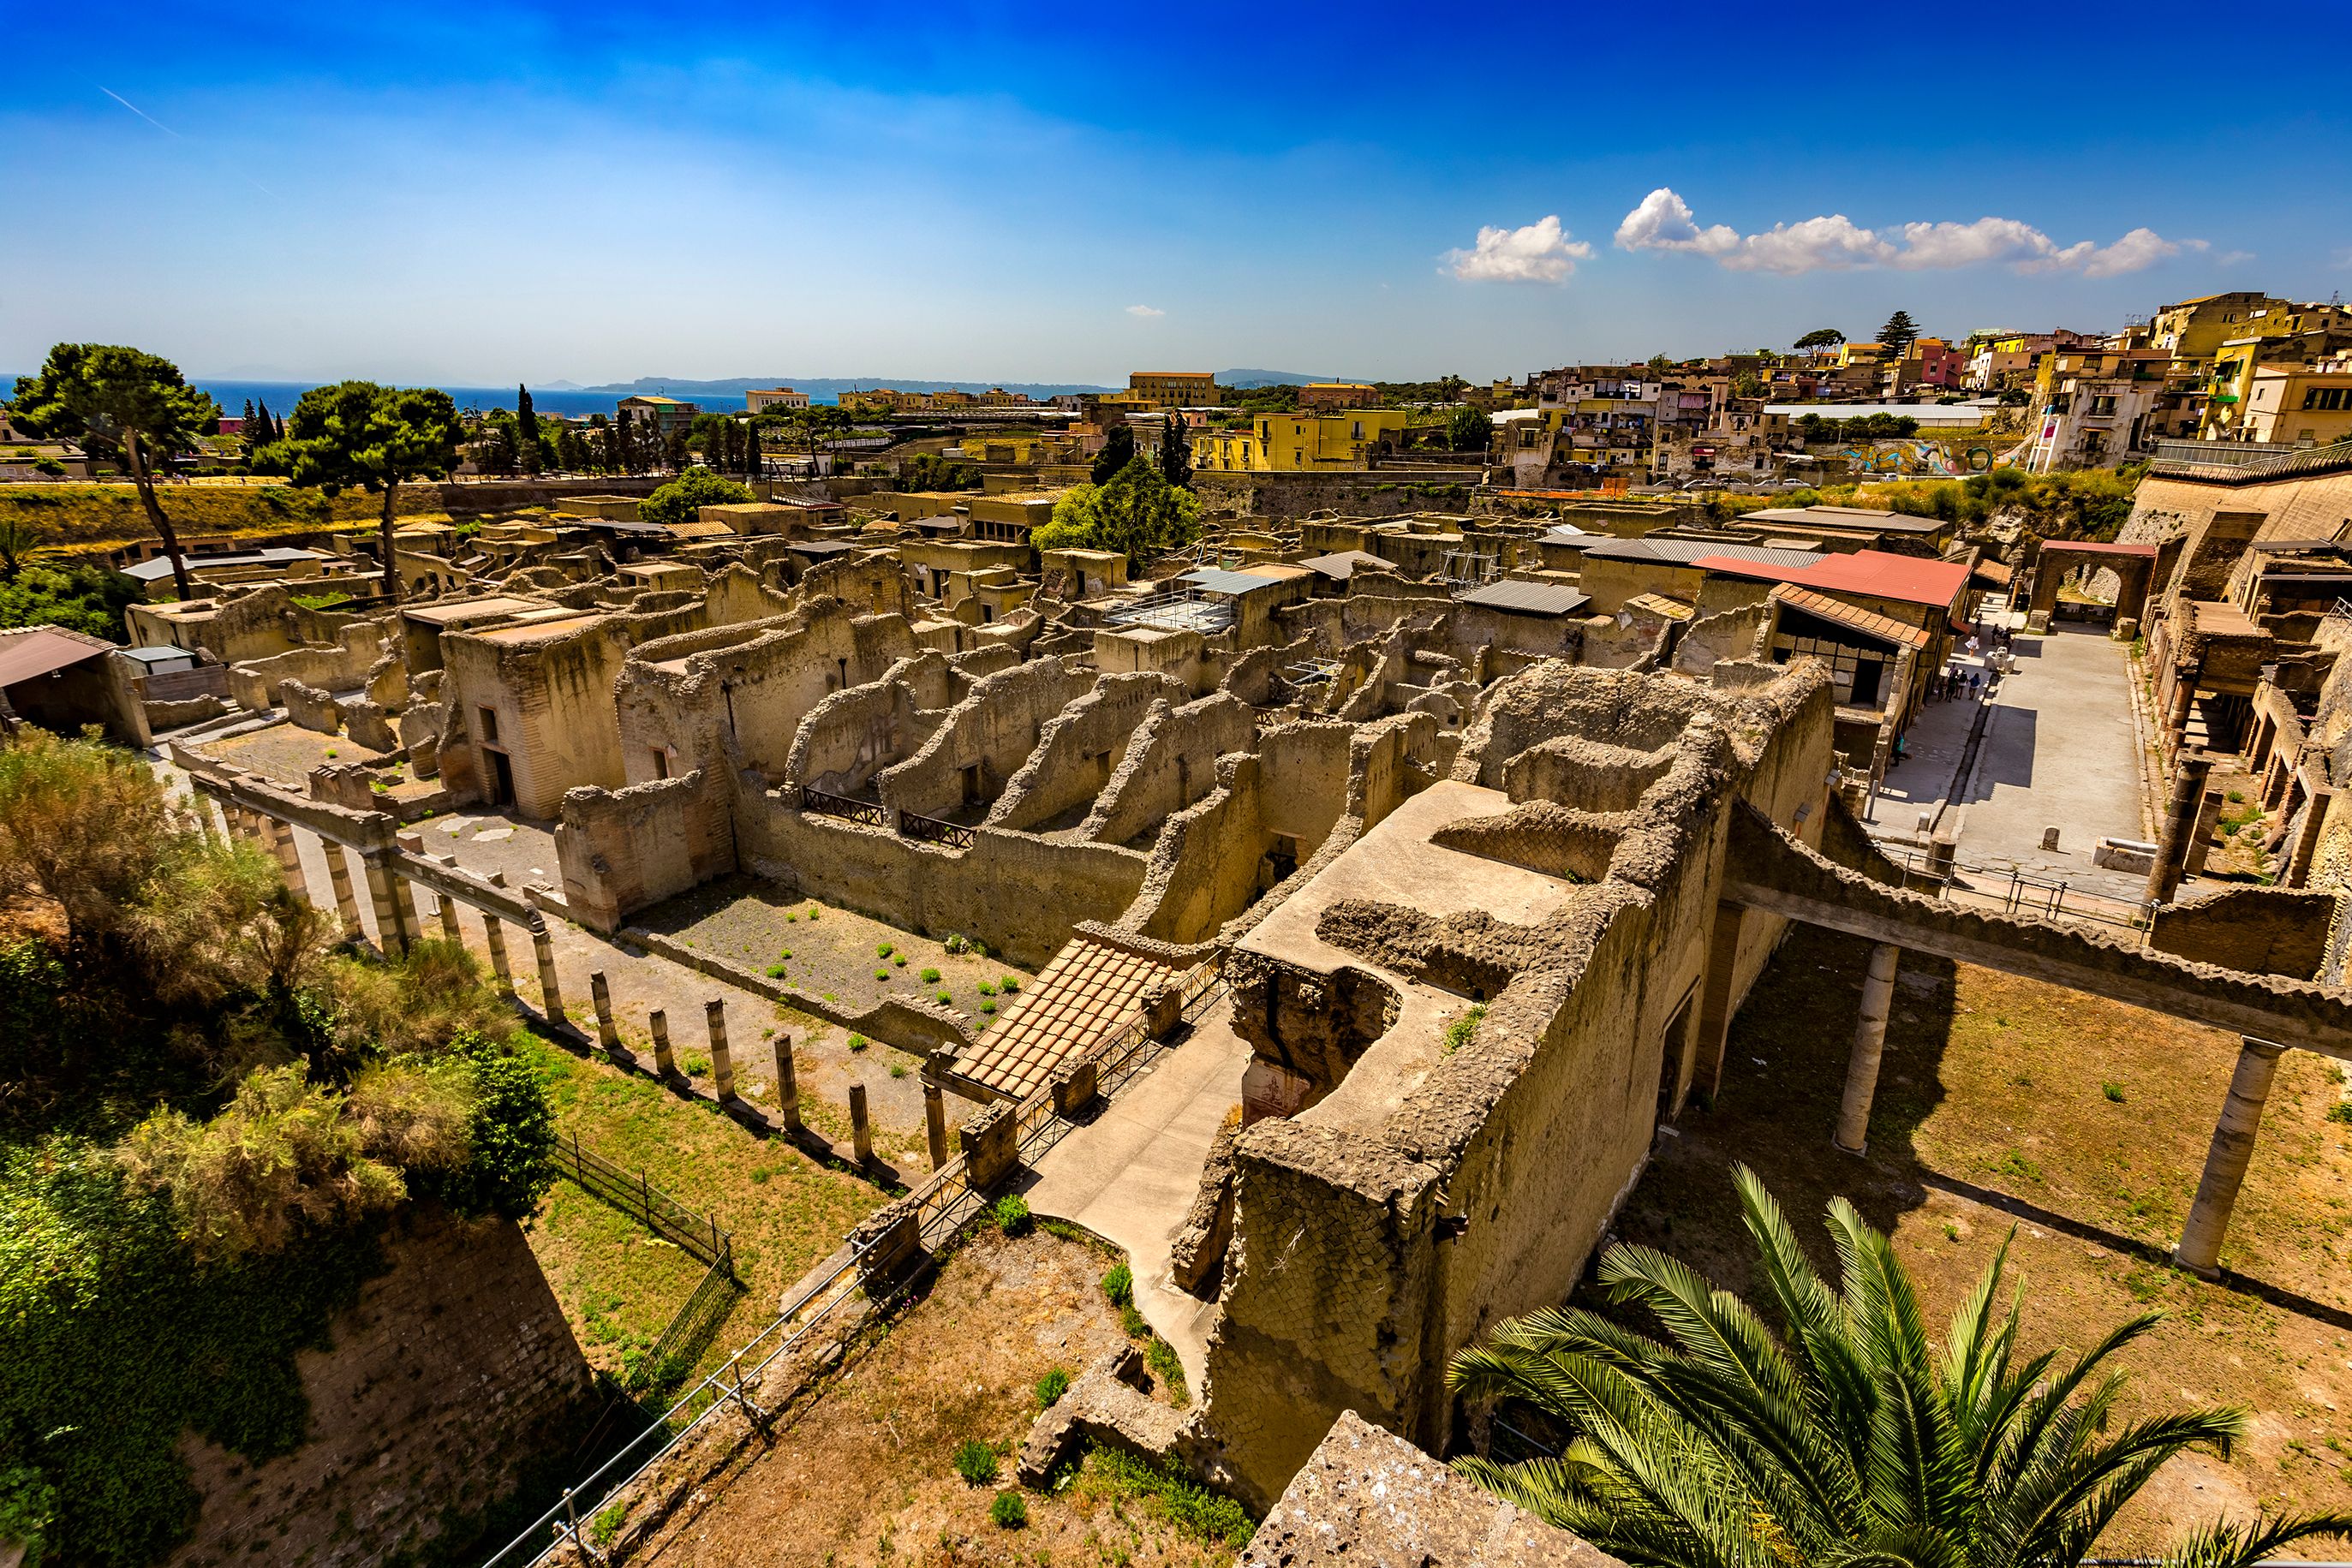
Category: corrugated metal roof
[1881,628]
[1526,598]
[1232,584]
[1826,517]
[1687,552]
[160,567]
[39,650]
[1341,564]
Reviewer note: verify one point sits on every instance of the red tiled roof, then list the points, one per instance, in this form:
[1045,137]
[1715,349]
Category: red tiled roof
[1874,574]
[1087,991]
[1885,628]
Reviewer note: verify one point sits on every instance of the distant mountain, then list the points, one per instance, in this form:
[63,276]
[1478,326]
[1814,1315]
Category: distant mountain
[563,386]
[1248,379]
[826,387]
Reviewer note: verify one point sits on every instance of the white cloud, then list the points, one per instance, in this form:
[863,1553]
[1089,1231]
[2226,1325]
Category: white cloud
[1836,243]
[1144,312]
[1540,253]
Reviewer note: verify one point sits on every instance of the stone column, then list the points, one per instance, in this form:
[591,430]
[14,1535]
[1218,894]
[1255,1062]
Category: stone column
[1869,1044]
[290,856]
[2306,842]
[1714,1001]
[417,892]
[2180,833]
[2176,719]
[665,1060]
[788,1086]
[449,929]
[551,990]
[722,1066]
[392,932]
[2199,1251]
[339,874]
[861,1129]
[934,1122]
[494,934]
[600,995]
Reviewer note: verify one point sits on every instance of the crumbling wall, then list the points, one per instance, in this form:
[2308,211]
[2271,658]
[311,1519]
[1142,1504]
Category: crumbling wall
[555,718]
[1016,892]
[983,740]
[1207,865]
[342,665]
[1081,749]
[1171,763]
[625,850]
[2260,930]
[853,734]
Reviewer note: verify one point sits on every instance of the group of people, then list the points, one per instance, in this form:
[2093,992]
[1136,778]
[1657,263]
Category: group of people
[1955,681]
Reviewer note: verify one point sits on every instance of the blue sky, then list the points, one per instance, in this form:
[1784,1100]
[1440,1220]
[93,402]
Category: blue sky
[498,191]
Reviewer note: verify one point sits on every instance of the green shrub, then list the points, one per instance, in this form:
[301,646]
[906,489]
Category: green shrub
[898,960]
[2341,1112]
[988,1008]
[1119,1285]
[897,1069]
[1011,1215]
[882,973]
[987,988]
[2112,1091]
[1052,1386]
[975,1461]
[1161,1357]
[1175,1497]
[882,950]
[775,971]
[930,976]
[1131,1320]
[858,1043]
[1009,984]
[1009,1512]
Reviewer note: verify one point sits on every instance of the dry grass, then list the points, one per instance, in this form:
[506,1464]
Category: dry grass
[2083,1125]
[863,1475]
[87,516]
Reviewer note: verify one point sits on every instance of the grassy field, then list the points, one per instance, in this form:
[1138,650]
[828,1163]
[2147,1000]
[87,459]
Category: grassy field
[2081,1126]
[617,1282]
[87,516]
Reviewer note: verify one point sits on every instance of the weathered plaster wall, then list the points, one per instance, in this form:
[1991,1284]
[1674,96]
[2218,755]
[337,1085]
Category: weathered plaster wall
[1171,763]
[983,740]
[625,850]
[1081,749]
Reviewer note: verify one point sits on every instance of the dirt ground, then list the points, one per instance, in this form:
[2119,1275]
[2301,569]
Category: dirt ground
[863,1474]
[2082,1125]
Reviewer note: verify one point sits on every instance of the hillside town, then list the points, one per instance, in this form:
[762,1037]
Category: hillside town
[1204,972]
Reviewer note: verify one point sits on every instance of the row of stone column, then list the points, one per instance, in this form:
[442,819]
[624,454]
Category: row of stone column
[2199,1249]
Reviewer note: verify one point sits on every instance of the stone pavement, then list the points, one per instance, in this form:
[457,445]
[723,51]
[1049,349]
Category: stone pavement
[1129,1176]
[2059,750]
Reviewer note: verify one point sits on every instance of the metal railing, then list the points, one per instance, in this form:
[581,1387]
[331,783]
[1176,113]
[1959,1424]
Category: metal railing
[2018,892]
[873,813]
[933,830]
[632,1194]
[814,1312]
[2242,462]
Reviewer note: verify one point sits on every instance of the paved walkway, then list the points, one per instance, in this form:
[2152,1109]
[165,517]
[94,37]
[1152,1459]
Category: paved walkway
[1131,1174]
[2059,751]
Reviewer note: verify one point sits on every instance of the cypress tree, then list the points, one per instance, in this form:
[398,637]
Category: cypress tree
[1176,452]
[527,437]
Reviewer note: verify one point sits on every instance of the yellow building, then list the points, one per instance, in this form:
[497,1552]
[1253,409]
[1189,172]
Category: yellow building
[1299,443]
[1174,389]
[2296,405]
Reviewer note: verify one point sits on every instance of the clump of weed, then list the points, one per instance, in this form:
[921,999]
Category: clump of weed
[883,949]
[1119,1285]
[1458,1032]
[1008,984]
[2112,1091]
[1052,1386]
[858,1043]
[975,1461]
[1009,1512]
[1011,1215]
[1161,1357]
[930,976]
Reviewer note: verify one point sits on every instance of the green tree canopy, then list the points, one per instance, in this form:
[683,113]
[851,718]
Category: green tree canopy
[1822,338]
[124,403]
[1176,451]
[1848,1437]
[1138,514]
[1118,448]
[1899,334]
[683,498]
[360,435]
[1468,430]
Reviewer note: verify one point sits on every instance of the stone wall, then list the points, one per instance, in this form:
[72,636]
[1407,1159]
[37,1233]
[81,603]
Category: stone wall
[1170,764]
[1344,1292]
[627,850]
[1017,893]
[453,1377]
[2263,930]
[983,740]
[342,666]
[1081,749]
[552,697]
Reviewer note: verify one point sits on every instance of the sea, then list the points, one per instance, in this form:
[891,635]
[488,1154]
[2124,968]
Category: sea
[281,396]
